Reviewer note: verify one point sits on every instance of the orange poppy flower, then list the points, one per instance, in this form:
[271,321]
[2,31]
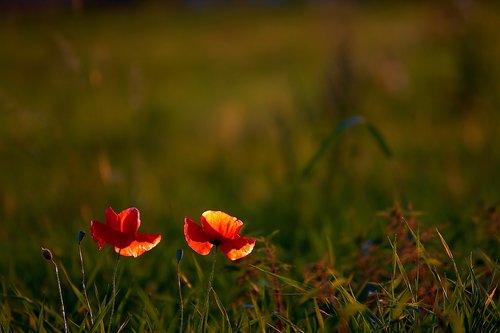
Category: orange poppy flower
[217,229]
[121,232]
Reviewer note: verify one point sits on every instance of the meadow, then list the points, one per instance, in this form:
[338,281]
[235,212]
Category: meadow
[357,143]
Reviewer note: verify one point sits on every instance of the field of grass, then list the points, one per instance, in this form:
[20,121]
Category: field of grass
[358,144]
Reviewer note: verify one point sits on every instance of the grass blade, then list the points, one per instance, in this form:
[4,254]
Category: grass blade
[328,142]
[342,127]
[288,281]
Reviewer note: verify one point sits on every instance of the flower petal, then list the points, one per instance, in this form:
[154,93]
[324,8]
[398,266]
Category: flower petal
[112,219]
[141,244]
[130,221]
[150,238]
[196,238]
[237,248]
[103,233]
[220,226]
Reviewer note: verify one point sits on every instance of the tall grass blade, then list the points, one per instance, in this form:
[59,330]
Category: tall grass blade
[223,312]
[258,315]
[450,255]
[342,127]
[489,300]
[99,319]
[151,311]
[379,139]
[39,325]
[113,298]
[288,281]
[123,325]
[328,142]
[75,289]
[319,317]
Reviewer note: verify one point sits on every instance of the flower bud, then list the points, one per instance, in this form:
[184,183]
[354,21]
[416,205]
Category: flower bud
[179,255]
[47,254]
[81,235]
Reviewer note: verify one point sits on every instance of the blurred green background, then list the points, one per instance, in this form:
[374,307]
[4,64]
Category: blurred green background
[177,110]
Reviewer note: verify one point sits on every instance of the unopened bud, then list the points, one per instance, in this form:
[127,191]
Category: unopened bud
[179,255]
[47,254]
[81,235]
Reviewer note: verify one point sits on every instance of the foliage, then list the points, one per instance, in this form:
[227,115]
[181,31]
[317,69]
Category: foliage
[306,122]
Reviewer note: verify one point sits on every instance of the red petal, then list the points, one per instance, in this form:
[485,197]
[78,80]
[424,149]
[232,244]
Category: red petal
[150,238]
[112,219]
[143,243]
[237,248]
[220,226]
[130,221]
[103,233]
[196,238]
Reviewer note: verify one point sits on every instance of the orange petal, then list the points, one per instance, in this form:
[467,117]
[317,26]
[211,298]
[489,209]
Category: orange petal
[112,219]
[141,244]
[220,226]
[130,221]
[103,233]
[196,238]
[237,248]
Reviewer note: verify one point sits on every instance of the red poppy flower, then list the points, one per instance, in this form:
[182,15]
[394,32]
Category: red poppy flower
[121,232]
[217,229]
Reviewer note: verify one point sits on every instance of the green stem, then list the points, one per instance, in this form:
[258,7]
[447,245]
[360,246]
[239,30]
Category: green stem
[114,293]
[180,298]
[84,287]
[60,294]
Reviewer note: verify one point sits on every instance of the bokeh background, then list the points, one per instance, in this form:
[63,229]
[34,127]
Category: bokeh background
[184,106]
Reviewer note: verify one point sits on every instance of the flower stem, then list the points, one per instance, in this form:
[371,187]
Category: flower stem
[204,318]
[113,296]
[181,302]
[60,294]
[83,285]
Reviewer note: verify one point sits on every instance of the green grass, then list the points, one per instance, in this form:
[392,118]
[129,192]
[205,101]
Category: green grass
[344,137]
